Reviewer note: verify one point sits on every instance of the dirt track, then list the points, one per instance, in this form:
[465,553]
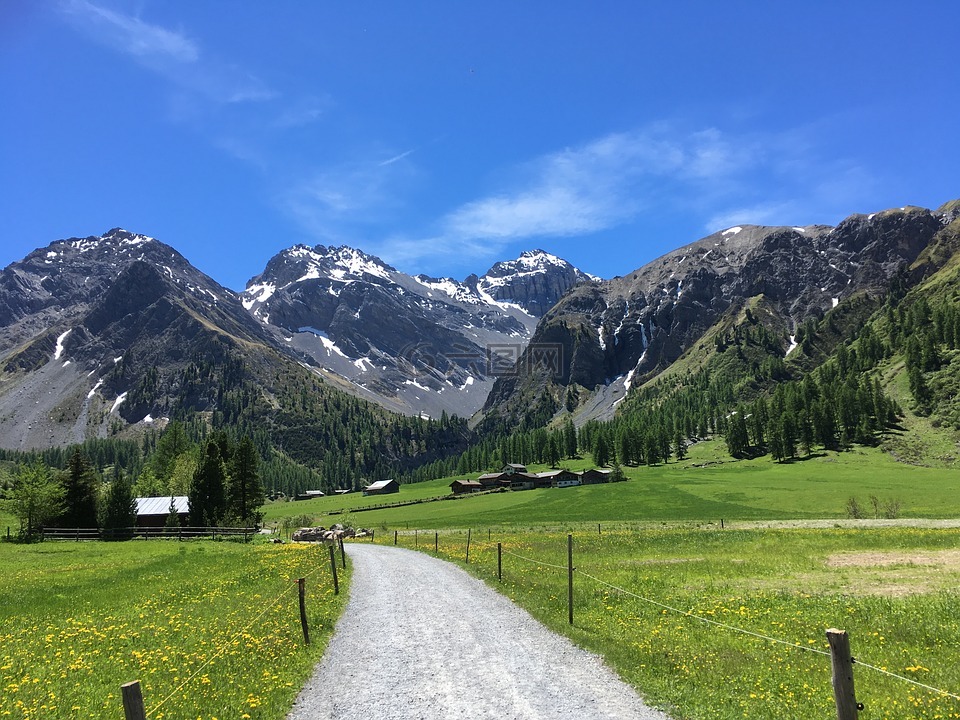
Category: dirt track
[422,639]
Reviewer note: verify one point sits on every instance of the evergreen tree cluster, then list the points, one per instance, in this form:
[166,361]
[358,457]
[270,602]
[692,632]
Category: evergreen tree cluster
[226,485]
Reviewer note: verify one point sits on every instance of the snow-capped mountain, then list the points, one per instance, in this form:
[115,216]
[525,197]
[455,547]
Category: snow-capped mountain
[621,332]
[416,344]
[96,333]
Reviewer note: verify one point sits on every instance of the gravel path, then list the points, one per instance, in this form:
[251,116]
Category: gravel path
[421,639]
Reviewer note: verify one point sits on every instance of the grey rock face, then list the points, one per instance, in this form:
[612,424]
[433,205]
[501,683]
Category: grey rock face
[634,326]
[415,344]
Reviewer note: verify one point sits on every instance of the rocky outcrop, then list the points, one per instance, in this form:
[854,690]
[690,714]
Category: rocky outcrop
[321,534]
[535,281]
[632,327]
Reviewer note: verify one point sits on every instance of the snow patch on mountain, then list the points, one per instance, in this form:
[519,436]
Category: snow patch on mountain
[59,351]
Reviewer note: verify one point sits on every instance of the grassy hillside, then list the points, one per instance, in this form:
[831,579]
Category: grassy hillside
[705,487]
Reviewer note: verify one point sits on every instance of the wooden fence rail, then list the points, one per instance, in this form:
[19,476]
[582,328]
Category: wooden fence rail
[179,533]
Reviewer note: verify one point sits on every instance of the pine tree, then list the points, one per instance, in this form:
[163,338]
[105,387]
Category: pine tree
[120,511]
[80,493]
[246,493]
[601,449]
[207,498]
[679,445]
[737,439]
[570,439]
[173,517]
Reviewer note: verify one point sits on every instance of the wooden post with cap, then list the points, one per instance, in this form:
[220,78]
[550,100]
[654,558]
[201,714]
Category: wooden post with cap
[842,663]
[133,701]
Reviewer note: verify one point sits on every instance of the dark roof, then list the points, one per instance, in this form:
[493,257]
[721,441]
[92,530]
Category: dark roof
[490,476]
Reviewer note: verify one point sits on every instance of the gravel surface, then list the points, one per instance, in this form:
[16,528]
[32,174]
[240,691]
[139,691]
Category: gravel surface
[420,638]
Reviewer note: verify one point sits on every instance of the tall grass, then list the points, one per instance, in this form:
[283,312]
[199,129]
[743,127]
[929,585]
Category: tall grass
[210,629]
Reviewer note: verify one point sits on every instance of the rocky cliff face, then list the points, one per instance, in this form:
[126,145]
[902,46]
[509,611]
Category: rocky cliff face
[623,331]
[416,344]
[98,333]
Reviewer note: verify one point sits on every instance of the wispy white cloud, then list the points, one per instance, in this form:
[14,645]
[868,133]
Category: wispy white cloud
[336,201]
[132,35]
[577,191]
[715,178]
[172,54]
[396,158]
[777,213]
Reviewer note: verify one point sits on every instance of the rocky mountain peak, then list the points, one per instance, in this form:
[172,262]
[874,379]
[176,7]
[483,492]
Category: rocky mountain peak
[535,281]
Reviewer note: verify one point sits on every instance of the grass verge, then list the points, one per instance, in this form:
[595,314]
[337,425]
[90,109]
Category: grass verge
[211,629]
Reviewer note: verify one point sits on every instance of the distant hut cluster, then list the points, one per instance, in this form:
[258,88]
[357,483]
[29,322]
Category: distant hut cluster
[516,477]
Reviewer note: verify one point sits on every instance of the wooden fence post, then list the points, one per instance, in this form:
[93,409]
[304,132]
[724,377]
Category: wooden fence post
[394,537]
[436,542]
[343,554]
[468,546]
[570,578]
[416,538]
[371,535]
[598,530]
[133,701]
[500,562]
[333,568]
[842,663]
[303,610]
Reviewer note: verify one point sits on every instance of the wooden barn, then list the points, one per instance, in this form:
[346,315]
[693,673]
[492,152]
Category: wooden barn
[523,481]
[461,487]
[560,478]
[153,511]
[594,476]
[382,487]
[491,481]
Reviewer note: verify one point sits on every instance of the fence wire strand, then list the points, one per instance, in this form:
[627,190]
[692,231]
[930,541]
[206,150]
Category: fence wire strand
[693,615]
[734,628]
[906,679]
[230,642]
[535,562]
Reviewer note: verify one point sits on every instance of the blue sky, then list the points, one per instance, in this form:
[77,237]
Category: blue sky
[444,136]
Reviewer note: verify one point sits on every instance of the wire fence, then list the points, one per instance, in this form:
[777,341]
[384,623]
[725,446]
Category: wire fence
[133,702]
[726,626]
[666,607]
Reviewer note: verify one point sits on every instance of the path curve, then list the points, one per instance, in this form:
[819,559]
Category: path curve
[422,639]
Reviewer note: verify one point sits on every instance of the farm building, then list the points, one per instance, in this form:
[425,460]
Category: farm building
[382,487]
[512,468]
[523,481]
[560,478]
[494,480]
[153,511]
[309,495]
[460,487]
[594,477]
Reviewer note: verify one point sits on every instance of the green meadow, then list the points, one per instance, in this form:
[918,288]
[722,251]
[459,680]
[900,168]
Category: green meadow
[705,487]
[211,629]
